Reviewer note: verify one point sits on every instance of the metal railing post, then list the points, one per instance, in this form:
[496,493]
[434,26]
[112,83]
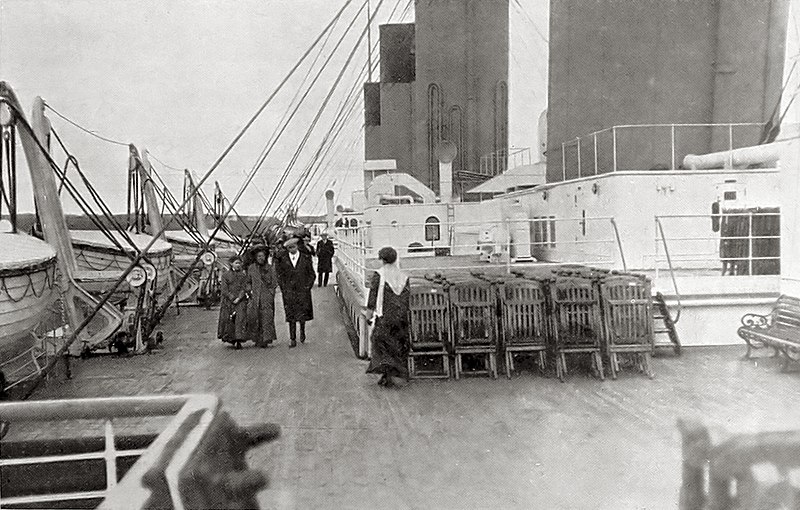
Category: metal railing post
[595,152]
[508,247]
[750,245]
[614,144]
[672,144]
[730,145]
[110,456]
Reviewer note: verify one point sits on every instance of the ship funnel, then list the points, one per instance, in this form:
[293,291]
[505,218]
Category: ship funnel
[330,211]
[446,152]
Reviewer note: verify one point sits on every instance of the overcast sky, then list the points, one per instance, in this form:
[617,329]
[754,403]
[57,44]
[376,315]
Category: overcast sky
[181,77]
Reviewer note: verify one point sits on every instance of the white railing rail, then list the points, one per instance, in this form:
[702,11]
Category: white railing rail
[130,493]
[500,161]
[732,253]
[589,241]
[603,146]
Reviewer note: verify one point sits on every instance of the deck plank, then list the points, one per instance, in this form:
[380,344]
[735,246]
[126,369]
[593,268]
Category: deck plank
[528,442]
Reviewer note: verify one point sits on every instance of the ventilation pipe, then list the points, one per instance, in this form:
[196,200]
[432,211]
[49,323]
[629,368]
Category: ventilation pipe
[767,154]
[446,152]
[330,217]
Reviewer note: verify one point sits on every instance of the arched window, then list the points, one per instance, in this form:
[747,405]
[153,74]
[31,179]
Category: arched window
[432,229]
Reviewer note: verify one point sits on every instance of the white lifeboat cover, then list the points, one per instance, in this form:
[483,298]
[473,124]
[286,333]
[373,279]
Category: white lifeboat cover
[21,250]
[97,239]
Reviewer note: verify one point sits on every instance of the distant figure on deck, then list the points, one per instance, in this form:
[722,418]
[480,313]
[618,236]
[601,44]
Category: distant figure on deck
[232,326]
[388,303]
[296,278]
[325,252]
[261,311]
[305,245]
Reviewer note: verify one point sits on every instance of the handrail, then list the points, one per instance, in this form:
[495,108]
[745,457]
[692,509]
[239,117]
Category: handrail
[619,244]
[671,270]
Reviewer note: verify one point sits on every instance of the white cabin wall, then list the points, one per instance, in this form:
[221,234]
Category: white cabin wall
[633,199]
[790,215]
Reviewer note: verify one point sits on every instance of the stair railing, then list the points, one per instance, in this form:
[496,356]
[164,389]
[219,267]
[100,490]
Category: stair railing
[671,269]
[619,244]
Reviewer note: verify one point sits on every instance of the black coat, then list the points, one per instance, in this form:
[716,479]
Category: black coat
[325,252]
[296,283]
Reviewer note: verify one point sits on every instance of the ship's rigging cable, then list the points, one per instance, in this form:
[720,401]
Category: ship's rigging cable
[168,201]
[332,136]
[343,114]
[333,88]
[86,130]
[290,196]
[121,278]
[301,185]
[93,193]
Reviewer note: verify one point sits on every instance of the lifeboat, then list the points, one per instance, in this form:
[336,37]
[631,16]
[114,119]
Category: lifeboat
[27,293]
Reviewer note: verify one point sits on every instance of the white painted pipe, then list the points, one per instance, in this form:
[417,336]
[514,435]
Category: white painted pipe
[330,217]
[767,154]
[445,182]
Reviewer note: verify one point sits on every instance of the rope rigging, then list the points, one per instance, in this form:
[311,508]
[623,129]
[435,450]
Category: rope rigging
[85,207]
[312,168]
[159,314]
[294,111]
[321,109]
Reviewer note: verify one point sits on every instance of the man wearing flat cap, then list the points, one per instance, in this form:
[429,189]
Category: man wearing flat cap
[296,278]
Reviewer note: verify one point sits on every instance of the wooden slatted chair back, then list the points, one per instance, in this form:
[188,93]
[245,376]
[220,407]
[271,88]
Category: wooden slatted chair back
[525,319]
[576,308]
[627,310]
[787,314]
[430,317]
[474,313]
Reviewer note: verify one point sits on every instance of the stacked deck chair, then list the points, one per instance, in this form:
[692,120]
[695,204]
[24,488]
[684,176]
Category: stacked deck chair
[577,323]
[628,320]
[430,331]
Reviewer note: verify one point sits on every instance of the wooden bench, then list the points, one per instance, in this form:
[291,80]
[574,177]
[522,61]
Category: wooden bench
[779,330]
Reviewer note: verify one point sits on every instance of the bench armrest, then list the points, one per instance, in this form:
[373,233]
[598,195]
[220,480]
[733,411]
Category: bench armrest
[753,320]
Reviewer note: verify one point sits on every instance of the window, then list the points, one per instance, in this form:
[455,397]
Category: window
[432,229]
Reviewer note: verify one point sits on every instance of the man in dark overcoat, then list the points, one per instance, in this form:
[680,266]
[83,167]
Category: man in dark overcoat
[296,279]
[325,252]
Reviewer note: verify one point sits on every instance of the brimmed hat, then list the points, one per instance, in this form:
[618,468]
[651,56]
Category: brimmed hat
[259,247]
[293,241]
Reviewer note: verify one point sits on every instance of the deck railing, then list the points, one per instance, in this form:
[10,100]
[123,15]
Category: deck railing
[478,245]
[735,243]
[649,146]
[197,451]
[498,162]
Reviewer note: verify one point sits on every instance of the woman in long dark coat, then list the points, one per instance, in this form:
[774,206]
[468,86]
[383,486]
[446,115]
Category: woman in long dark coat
[232,326]
[388,304]
[296,278]
[261,311]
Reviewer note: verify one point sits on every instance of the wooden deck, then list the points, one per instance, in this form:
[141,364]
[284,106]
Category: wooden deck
[528,442]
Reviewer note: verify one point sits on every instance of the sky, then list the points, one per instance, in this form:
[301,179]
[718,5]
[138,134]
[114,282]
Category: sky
[182,77]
